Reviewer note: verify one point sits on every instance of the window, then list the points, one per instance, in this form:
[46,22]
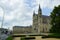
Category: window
[44,21]
[34,28]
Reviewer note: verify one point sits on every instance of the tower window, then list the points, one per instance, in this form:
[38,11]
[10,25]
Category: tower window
[44,21]
[34,28]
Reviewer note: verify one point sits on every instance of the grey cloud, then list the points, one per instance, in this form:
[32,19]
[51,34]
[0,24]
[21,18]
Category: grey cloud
[22,9]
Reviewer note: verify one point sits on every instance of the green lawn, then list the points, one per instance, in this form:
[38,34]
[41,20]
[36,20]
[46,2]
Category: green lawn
[9,38]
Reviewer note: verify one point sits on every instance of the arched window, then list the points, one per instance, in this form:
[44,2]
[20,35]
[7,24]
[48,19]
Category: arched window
[45,21]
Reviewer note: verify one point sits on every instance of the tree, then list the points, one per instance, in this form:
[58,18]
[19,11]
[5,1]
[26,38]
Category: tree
[55,20]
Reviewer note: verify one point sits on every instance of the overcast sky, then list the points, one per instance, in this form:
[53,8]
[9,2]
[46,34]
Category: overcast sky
[20,12]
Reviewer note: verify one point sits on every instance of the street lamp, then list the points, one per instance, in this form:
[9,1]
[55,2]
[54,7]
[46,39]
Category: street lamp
[2,17]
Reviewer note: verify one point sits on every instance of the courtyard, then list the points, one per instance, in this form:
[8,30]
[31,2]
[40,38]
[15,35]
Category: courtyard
[16,37]
[37,38]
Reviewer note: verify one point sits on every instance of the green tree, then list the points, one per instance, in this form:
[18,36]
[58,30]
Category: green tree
[55,20]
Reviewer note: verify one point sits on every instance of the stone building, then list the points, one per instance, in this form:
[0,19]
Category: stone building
[41,23]
[22,29]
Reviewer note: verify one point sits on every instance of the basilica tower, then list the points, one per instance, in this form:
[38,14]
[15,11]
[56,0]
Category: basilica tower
[39,19]
[35,22]
[40,22]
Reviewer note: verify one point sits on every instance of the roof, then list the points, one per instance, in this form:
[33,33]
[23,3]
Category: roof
[44,16]
[3,29]
[23,26]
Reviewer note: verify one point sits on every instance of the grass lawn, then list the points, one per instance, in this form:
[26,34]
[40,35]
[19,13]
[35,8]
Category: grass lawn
[9,38]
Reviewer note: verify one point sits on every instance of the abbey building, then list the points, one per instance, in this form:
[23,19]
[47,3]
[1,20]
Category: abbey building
[41,24]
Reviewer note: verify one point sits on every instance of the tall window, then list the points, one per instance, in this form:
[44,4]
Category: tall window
[44,21]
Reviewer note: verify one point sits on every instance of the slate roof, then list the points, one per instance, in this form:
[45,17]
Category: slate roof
[44,16]
[23,26]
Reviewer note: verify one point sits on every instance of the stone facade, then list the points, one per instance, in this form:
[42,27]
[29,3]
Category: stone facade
[22,29]
[41,23]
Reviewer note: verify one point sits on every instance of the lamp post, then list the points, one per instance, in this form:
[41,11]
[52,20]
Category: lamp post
[2,17]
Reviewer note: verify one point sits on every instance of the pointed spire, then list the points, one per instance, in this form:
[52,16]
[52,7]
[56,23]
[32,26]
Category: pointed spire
[33,12]
[39,8]
[39,11]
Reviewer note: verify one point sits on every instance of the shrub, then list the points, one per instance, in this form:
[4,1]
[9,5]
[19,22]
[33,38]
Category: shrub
[27,38]
[54,35]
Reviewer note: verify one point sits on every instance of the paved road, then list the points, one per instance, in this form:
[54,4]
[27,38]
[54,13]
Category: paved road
[39,38]
[3,37]
[16,38]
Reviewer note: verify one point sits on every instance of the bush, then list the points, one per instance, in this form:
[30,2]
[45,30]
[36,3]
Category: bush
[18,35]
[54,35]
[27,38]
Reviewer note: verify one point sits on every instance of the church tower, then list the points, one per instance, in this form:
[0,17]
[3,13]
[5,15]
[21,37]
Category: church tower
[39,11]
[41,23]
[35,22]
[39,20]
